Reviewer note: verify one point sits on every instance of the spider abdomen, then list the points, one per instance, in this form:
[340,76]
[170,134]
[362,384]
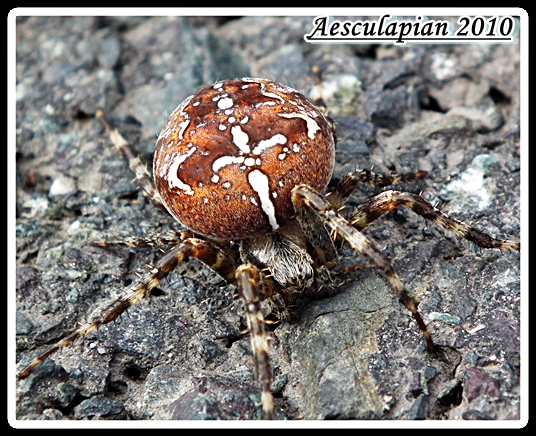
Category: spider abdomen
[228,157]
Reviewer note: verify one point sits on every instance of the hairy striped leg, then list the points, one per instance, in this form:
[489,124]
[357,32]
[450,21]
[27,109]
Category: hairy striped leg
[306,198]
[387,201]
[350,181]
[248,281]
[170,237]
[207,253]
[143,177]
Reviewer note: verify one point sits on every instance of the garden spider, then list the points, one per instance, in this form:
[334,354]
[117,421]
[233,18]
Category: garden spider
[246,163]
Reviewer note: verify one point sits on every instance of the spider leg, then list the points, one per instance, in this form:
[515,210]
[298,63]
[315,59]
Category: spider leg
[350,181]
[306,197]
[171,237]
[248,281]
[387,201]
[207,253]
[317,234]
[142,175]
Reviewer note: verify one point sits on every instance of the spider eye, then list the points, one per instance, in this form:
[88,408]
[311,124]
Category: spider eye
[228,157]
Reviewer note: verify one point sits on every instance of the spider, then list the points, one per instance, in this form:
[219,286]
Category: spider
[244,166]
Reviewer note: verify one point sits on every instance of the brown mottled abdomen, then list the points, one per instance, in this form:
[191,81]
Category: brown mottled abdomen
[228,157]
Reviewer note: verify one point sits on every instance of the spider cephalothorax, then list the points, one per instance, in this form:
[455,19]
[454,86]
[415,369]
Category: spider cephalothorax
[248,161]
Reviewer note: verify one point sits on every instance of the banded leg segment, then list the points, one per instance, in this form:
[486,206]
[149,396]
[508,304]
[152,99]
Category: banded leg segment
[248,281]
[387,201]
[350,181]
[304,196]
[171,237]
[192,247]
[143,177]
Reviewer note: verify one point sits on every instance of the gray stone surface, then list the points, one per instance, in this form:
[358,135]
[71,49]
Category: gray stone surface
[357,354]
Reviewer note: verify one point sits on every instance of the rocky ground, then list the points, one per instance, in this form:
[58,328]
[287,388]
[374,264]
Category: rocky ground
[452,110]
